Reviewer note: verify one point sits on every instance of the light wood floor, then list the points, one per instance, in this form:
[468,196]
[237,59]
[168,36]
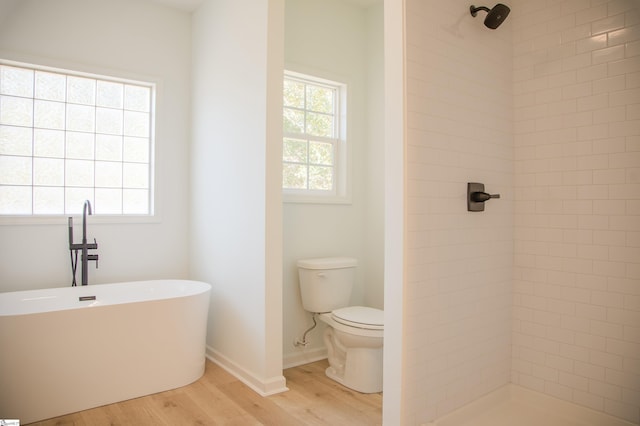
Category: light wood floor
[218,398]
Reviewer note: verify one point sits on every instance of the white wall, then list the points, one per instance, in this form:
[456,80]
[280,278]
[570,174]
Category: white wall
[375,158]
[576,331]
[236,229]
[337,40]
[394,403]
[122,38]
[457,294]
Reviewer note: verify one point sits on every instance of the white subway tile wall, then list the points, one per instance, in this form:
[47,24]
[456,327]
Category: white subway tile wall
[576,294]
[459,264]
[543,288]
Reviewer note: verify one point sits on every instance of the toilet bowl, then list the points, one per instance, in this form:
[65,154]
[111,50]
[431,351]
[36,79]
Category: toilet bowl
[354,334]
[354,340]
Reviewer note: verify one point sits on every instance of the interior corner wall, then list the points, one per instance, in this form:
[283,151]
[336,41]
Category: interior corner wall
[459,264]
[576,331]
[232,184]
[119,38]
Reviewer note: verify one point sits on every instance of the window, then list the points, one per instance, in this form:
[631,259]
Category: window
[67,137]
[314,151]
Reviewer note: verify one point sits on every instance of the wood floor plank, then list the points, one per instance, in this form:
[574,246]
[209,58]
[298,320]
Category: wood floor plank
[262,409]
[218,408]
[218,398]
[311,382]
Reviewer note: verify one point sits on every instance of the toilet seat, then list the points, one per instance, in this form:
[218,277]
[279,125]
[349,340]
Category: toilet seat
[360,317]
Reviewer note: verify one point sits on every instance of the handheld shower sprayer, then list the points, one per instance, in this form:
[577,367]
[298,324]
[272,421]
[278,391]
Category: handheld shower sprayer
[70,231]
[495,16]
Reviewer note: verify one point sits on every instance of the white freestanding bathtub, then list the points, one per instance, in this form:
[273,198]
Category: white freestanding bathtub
[68,349]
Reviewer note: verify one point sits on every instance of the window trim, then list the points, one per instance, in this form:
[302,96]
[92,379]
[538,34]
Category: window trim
[104,74]
[342,154]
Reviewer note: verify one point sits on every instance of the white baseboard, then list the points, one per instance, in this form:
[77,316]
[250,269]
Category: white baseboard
[262,387]
[304,357]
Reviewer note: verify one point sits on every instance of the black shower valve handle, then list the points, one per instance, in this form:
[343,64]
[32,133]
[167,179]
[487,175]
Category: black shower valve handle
[481,197]
[476,196]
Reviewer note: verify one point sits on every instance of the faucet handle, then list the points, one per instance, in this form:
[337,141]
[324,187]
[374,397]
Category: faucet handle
[93,257]
[93,245]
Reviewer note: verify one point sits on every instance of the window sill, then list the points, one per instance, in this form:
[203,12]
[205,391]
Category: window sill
[63,219]
[315,199]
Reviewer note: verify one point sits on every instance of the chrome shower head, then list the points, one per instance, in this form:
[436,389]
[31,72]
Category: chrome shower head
[495,16]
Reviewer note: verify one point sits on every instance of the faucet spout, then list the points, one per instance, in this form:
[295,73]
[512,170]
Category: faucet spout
[83,247]
[87,204]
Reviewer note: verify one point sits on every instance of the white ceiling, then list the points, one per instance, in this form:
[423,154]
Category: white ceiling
[191,5]
[188,5]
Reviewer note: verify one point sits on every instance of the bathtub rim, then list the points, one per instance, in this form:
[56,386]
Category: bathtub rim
[15,303]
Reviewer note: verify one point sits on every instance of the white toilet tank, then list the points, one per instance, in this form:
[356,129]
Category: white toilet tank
[326,283]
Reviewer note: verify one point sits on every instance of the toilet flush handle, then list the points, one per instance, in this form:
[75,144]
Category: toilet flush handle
[322,274]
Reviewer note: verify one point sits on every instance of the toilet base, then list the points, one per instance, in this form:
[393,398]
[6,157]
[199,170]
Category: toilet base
[333,375]
[357,368]
[362,384]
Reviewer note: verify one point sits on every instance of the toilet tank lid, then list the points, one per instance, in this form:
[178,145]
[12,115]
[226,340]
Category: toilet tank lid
[328,263]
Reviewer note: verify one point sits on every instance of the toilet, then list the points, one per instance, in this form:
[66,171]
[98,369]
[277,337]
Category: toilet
[354,336]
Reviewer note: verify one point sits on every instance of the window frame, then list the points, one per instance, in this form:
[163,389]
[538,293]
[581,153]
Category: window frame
[75,70]
[341,193]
